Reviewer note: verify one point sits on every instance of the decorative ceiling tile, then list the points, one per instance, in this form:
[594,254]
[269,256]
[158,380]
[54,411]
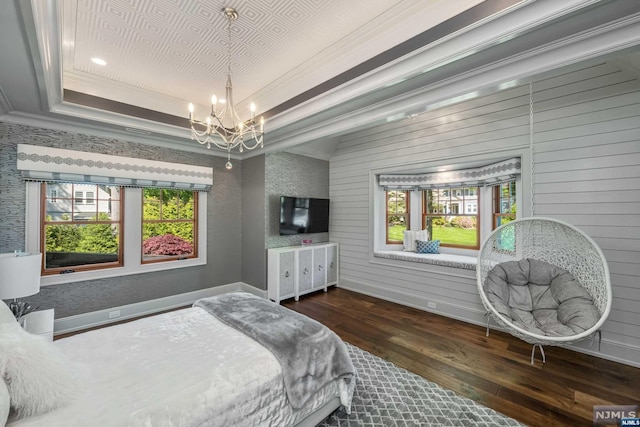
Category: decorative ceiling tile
[178,48]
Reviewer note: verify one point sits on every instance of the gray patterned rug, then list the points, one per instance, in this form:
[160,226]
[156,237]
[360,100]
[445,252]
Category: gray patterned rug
[387,395]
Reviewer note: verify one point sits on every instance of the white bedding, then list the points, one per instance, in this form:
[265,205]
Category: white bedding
[183,368]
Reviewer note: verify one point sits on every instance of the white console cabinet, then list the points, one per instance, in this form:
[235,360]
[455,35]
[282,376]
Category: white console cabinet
[298,270]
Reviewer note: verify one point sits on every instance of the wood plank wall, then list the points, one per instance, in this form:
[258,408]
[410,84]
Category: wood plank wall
[587,173]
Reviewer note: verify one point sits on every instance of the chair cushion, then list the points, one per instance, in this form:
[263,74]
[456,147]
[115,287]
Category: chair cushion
[540,298]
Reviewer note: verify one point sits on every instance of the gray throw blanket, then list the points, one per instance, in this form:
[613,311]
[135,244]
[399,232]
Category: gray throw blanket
[310,354]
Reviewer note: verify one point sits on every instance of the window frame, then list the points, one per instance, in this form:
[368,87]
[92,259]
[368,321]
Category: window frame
[44,197]
[194,220]
[132,245]
[407,215]
[455,192]
[496,209]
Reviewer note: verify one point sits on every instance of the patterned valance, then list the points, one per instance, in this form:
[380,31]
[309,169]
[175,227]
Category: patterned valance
[57,165]
[492,174]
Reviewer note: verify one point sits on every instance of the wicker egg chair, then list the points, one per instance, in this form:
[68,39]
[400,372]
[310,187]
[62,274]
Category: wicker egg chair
[556,243]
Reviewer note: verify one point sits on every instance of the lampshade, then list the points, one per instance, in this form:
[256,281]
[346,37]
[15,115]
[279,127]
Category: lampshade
[19,275]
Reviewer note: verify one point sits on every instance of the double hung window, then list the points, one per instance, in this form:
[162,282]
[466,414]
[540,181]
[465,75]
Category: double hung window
[397,215]
[504,203]
[451,216]
[80,231]
[169,224]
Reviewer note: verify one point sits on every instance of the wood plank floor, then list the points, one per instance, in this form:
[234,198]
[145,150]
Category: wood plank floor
[494,371]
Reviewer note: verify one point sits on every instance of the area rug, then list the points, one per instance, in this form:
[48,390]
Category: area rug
[387,395]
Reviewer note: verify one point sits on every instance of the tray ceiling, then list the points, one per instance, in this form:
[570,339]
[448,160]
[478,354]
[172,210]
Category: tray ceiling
[163,54]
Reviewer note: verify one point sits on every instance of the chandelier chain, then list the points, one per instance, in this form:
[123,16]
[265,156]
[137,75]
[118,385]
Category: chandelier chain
[531,148]
[229,46]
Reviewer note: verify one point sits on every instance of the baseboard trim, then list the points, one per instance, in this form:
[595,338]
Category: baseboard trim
[129,311]
[610,350]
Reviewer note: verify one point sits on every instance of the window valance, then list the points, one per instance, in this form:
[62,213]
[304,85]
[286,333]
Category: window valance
[492,174]
[47,164]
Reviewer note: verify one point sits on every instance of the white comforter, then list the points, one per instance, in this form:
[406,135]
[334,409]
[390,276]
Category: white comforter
[183,368]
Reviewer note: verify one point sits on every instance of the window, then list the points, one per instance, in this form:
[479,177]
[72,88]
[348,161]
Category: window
[456,206]
[78,199]
[89,197]
[504,211]
[451,216]
[504,203]
[169,224]
[397,215]
[76,236]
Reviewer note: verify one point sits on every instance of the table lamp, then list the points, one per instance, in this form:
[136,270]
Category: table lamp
[19,277]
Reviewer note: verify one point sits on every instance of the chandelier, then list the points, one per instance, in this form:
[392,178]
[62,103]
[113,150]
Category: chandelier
[223,127]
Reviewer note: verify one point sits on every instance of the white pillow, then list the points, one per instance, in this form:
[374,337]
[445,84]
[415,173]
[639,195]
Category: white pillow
[410,237]
[5,404]
[38,376]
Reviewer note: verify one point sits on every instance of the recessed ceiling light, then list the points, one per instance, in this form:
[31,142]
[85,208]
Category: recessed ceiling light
[99,61]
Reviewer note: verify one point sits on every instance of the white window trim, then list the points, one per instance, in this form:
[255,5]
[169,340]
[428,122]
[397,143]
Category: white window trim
[132,258]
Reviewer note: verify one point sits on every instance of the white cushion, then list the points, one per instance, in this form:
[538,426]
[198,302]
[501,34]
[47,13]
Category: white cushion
[5,402]
[38,376]
[410,237]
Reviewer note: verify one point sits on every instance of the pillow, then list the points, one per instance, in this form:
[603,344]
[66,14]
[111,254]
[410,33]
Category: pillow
[410,237]
[5,404]
[428,247]
[38,376]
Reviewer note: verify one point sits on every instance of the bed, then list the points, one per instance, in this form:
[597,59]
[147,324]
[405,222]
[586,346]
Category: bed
[181,368]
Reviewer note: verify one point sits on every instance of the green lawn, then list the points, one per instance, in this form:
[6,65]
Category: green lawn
[455,235]
[452,235]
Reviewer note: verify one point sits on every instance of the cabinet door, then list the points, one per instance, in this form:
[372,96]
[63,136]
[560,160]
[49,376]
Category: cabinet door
[287,277]
[305,270]
[319,267]
[332,264]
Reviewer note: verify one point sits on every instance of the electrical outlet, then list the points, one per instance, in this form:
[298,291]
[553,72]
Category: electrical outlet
[113,314]
[431,304]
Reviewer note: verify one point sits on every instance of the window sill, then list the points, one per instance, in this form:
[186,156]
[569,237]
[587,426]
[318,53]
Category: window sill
[444,260]
[81,276]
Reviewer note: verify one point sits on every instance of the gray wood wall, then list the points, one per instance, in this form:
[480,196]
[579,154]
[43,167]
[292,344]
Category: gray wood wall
[587,173]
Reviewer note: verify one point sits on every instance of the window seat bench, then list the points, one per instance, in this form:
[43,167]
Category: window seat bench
[445,260]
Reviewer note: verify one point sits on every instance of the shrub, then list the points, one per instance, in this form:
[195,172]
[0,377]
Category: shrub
[464,222]
[167,244]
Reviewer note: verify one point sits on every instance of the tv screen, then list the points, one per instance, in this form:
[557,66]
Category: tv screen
[302,215]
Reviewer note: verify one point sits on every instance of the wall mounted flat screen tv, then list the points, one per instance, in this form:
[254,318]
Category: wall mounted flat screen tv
[302,215]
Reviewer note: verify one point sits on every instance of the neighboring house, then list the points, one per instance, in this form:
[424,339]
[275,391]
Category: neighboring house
[80,199]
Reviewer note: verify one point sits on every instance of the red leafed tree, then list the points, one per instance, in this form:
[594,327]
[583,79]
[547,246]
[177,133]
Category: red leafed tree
[167,244]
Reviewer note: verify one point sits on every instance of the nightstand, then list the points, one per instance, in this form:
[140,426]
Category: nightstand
[39,323]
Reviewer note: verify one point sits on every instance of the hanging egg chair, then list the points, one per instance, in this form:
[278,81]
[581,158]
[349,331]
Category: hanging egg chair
[544,281]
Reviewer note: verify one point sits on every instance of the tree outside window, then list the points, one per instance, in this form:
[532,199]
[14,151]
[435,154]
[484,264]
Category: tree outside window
[169,224]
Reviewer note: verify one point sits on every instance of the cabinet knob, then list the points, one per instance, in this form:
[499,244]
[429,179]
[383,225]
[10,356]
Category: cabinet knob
[320,268]
[333,265]
[286,274]
[306,270]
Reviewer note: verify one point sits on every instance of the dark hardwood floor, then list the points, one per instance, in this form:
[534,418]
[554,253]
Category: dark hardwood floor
[494,371]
